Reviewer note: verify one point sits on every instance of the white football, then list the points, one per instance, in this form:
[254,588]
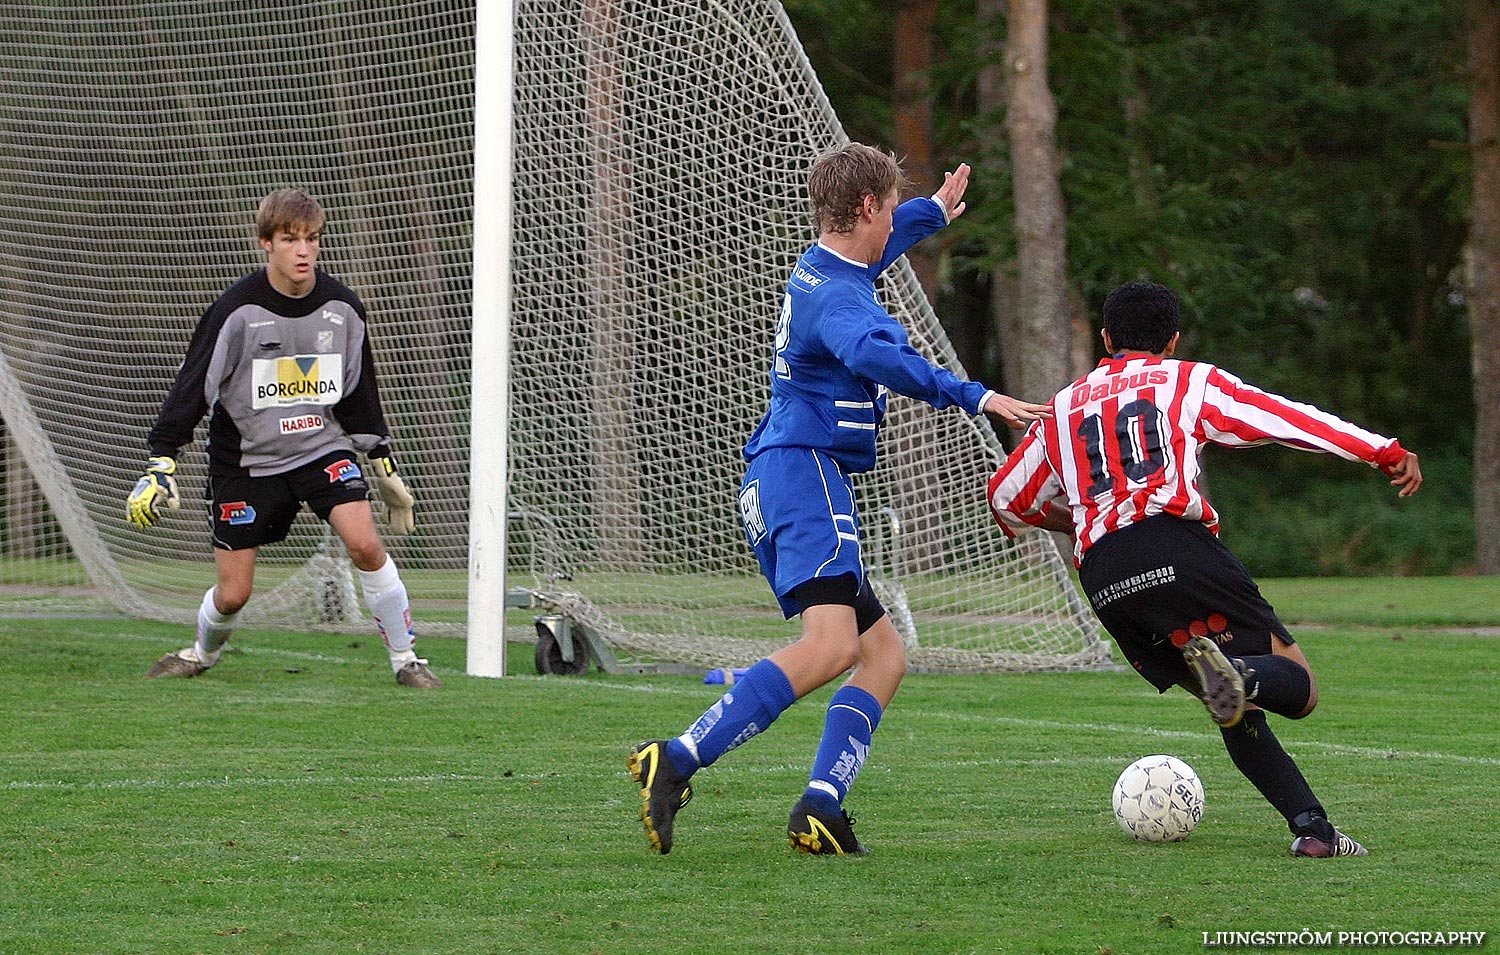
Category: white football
[1158,799]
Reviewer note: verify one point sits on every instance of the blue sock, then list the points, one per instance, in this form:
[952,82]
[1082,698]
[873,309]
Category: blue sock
[754,702]
[853,715]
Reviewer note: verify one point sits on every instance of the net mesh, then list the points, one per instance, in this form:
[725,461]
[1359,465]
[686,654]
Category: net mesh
[660,158]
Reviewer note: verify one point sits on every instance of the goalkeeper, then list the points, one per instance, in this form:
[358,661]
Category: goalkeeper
[837,353]
[281,365]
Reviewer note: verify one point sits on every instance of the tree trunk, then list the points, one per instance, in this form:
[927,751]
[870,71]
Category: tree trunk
[912,102]
[1084,345]
[1040,365]
[1133,109]
[1483,29]
[617,496]
[990,100]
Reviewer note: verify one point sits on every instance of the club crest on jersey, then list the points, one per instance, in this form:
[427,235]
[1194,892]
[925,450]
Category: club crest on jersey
[325,340]
[237,513]
[302,423]
[343,470]
[297,380]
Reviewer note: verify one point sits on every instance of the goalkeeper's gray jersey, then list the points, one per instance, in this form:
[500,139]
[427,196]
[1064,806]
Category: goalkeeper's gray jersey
[283,380]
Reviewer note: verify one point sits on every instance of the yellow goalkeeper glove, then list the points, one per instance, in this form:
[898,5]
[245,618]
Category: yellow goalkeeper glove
[399,512]
[157,483]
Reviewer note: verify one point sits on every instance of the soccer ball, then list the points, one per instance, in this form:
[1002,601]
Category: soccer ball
[1158,799]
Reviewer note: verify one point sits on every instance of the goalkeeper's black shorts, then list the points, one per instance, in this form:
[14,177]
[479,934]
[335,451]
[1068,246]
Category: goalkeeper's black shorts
[1165,574]
[253,511]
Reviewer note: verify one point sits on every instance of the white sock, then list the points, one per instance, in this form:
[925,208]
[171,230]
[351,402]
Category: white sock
[214,629]
[399,660]
[386,597]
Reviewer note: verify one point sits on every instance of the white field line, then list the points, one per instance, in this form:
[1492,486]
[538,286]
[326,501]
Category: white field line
[1342,749]
[235,782]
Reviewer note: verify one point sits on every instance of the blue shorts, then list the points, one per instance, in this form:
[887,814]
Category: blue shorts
[797,507]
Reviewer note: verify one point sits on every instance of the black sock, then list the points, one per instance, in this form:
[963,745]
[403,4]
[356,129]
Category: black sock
[1314,823]
[1280,684]
[1257,753]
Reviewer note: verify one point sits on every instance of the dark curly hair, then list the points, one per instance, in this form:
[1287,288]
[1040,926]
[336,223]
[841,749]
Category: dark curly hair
[1141,316]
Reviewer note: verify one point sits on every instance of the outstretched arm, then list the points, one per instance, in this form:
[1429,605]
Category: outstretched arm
[1405,474]
[1239,415]
[1013,411]
[873,345]
[951,193]
[916,219]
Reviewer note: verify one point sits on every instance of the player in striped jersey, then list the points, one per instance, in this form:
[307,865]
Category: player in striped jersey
[1118,465]
[837,351]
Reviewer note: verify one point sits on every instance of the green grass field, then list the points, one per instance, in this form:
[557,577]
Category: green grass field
[295,800]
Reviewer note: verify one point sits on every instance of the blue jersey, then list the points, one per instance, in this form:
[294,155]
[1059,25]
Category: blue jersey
[838,351]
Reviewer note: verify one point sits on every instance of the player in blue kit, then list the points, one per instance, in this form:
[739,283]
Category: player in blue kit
[837,354]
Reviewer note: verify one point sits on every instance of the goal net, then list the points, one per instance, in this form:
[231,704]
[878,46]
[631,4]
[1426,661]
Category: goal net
[660,157]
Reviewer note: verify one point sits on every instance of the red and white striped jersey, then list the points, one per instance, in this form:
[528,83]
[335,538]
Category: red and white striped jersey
[1125,442]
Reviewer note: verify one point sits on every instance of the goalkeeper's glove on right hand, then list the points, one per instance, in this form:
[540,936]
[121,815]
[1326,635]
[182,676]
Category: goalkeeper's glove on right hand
[400,513]
[157,483]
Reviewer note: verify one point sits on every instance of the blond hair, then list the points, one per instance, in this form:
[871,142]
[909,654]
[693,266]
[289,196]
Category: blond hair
[842,177]
[288,210]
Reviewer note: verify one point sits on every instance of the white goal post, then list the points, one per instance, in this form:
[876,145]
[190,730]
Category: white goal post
[489,334]
[572,285]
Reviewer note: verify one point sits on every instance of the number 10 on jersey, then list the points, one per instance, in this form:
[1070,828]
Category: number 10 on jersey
[1138,446]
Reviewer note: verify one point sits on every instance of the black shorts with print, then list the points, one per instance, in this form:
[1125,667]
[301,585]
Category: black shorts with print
[253,511]
[1165,574]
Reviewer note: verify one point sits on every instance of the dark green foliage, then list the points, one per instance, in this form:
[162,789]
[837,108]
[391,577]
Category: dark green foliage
[848,42]
[1292,514]
[1296,171]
